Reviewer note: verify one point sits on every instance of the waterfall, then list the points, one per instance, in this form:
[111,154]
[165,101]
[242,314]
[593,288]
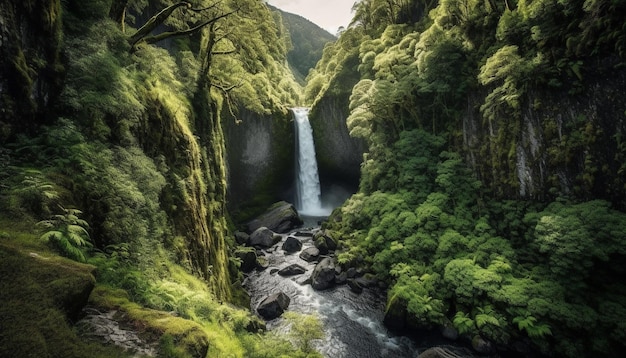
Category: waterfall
[308,193]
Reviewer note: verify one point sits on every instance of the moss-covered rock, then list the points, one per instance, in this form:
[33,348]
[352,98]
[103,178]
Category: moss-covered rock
[41,294]
[177,336]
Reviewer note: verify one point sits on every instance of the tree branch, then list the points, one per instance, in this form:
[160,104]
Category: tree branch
[155,21]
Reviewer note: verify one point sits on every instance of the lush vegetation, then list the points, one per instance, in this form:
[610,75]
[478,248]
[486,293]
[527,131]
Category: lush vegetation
[122,166]
[444,93]
[307,43]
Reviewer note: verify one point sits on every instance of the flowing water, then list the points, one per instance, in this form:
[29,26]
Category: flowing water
[352,322]
[308,192]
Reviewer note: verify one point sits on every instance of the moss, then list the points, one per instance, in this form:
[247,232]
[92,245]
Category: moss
[179,337]
[36,308]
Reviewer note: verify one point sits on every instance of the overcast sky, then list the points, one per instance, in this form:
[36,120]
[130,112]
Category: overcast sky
[327,14]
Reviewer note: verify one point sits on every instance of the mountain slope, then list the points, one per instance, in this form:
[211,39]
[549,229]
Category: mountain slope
[308,41]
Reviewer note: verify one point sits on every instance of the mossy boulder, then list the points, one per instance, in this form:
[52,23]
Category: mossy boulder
[41,293]
[248,258]
[324,242]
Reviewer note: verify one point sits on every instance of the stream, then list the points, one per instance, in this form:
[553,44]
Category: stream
[352,322]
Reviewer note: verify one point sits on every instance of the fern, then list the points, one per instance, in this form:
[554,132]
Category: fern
[534,330]
[67,233]
[463,323]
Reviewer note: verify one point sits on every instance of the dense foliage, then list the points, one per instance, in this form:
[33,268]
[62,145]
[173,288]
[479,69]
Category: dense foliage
[124,168]
[451,96]
[307,43]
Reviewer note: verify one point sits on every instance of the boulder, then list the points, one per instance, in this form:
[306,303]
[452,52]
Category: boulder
[310,254]
[248,258]
[281,217]
[324,242]
[482,345]
[340,278]
[323,275]
[292,270]
[396,314]
[448,331]
[351,272]
[241,237]
[292,244]
[273,306]
[263,237]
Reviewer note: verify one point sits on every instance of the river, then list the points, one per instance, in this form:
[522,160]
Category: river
[352,322]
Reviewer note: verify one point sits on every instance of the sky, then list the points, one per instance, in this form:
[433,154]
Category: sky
[327,14]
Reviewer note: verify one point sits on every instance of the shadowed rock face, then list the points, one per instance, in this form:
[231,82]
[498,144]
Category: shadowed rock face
[260,159]
[339,156]
[323,276]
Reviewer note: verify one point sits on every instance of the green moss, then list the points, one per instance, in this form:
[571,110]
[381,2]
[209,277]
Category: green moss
[39,292]
[189,337]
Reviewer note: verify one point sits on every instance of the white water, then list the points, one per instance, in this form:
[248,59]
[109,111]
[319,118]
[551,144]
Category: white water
[308,192]
[352,322]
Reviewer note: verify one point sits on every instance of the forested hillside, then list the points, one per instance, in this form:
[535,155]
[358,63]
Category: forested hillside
[492,191]
[307,42]
[112,154]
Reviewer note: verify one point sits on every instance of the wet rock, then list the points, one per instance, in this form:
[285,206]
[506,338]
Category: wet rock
[448,331]
[292,244]
[323,275]
[273,306]
[324,242]
[102,326]
[302,280]
[241,237]
[351,272]
[396,314]
[281,217]
[248,258]
[292,270]
[355,286]
[340,278]
[310,254]
[482,345]
[263,237]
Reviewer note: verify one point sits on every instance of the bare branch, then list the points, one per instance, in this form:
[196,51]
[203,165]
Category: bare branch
[155,21]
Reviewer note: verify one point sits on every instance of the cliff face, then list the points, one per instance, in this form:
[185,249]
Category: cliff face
[260,159]
[30,63]
[564,143]
[339,156]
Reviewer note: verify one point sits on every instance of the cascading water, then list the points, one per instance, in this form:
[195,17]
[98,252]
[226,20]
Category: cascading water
[352,322]
[308,193]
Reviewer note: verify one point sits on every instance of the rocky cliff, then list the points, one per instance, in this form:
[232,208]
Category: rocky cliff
[260,160]
[339,156]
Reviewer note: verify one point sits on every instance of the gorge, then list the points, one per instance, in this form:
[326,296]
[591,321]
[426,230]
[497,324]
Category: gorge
[476,150]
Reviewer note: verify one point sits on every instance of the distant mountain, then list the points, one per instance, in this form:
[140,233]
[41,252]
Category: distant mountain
[308,41]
